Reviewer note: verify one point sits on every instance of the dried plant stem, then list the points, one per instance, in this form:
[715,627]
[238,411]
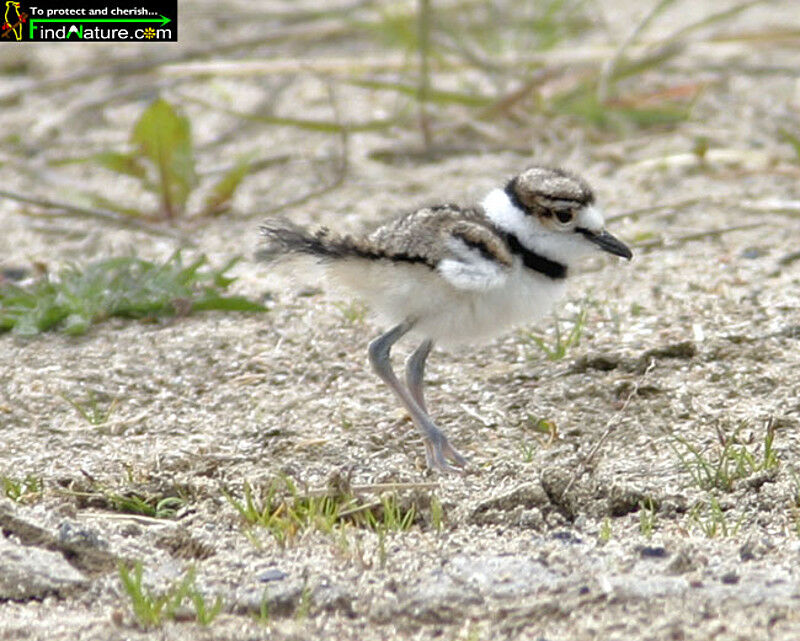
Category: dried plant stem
[719,16]
[657,209]
[295,33]
[789,208]
[607,72]
[342,166]
[288,66]
[322,126]
[610,426]
[674,242]
[377,488]
[359,508]
[504,104]
[100,215]
[423,88]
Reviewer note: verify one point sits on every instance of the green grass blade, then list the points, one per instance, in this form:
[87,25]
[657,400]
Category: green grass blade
[436,96]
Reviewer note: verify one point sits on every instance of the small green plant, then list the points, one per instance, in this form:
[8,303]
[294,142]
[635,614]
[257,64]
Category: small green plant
[796,480]
[792,139]
[605,530]
[91,408]
[561,344]
[647,518]
[304,607]
[473,632]
[263,617]
[621,113]
[734,461]
[151,609]
[26,490]
[284,517]
[795,507]
[285,512]
[769,458]
[353,312]
[343,540]
[396,28]
[437,514]
[126,287]
[152,506]
[710,519]
[203,614]
[701,147]
[162,160]
[131,501]
[382,556]
[528,450]
[534,27]
[545,430]
[392,517]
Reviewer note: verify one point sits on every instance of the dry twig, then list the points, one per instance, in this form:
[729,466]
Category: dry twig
[610,66]
[610,426]
[101,215]
[674,242]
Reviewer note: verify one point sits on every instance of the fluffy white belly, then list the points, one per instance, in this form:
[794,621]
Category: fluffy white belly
[448,315]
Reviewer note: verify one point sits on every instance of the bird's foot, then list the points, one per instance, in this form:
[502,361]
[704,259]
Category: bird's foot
[443,457]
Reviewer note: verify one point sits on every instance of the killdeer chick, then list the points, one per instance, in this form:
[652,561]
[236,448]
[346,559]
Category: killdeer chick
[455,275]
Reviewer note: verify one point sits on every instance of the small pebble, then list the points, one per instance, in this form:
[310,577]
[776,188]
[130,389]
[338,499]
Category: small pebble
[273,574]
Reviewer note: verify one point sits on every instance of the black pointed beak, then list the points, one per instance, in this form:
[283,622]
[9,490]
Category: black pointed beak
[607,242]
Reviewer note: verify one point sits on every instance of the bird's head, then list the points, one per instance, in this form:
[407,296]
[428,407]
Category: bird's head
[553,213]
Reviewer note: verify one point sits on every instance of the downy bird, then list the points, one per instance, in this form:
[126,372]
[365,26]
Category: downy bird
[455,275]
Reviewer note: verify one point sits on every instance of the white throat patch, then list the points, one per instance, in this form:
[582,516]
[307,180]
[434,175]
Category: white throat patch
[503,213]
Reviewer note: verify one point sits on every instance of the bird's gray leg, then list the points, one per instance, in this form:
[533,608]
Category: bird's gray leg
[438,449]
[415,370]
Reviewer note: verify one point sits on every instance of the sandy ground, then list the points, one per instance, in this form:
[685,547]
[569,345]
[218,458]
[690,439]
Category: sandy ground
[602,529]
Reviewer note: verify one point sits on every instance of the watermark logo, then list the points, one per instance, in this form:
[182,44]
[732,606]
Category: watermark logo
[90,21]
[13,21]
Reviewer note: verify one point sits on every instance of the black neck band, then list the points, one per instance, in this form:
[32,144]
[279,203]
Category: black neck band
[512,196]
[536,262]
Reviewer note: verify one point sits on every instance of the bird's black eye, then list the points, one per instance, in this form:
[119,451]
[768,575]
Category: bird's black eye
[564,215]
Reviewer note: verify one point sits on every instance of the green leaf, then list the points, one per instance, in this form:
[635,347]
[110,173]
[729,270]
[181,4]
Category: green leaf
[438,96]
[122,163]
[113,205]
[323,126]
[792,139]
[76,324]
[218,201]
[163,136]
[127,164]
[220,280]
[227,303]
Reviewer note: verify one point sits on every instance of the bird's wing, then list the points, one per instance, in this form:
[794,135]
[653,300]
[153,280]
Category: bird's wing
[476,257]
